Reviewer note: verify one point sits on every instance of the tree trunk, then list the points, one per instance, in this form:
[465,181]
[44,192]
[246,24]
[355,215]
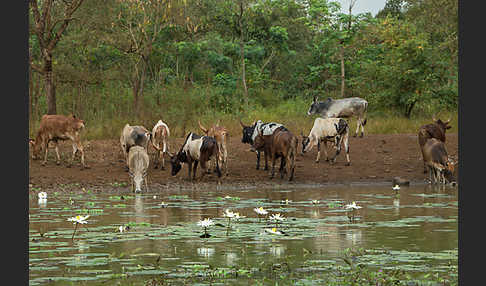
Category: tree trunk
[341,54]
[242,56]
[50,88]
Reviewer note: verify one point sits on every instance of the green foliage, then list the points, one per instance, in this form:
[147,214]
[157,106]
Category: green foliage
[403,61]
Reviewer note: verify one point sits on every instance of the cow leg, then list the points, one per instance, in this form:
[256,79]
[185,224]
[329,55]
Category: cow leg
[338,149]
[319,151]
[282,167]
[362,129]
[75,149]
[273,159]
[189,169]
[56,148]
[146,185]
[46,147]
[325,151]
[258,160]
[156,159]
[203,167]
[225,161]
[346,149]
[266,160]
[358,123]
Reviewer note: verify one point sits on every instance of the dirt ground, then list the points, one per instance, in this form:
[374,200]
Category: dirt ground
[374,159]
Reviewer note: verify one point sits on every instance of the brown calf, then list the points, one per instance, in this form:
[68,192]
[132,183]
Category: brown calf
[283,144]
[54,128]
[220,134]
[437,130]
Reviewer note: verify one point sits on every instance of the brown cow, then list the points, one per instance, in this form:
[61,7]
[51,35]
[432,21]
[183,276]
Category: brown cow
[437,130]
[220,134]
[441,167]
[54,128]
[283,144]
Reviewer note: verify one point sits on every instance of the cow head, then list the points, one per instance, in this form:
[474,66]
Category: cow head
[137,178]
[443,125]
[247,133]
[176,162]
[319,107]
[36,148]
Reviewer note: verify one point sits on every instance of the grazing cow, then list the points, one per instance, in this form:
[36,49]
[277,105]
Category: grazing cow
[437,130]
[345,108]
[54,128]
[220,134]
[266,130]
[194,150]
[131,136]
[327,129]
[138,163]
[441,167]
[160,134]
[280,144]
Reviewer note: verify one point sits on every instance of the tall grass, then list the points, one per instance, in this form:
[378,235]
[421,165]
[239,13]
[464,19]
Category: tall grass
[107,110]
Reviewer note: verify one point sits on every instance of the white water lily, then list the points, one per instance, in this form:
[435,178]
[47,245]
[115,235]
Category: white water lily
[79,219]
[260,211]
[42,195]
[315,202]
[232,215]
[277,217]
[396,187]
[353,206]
[207,222]
[286,201]
[164,204]
[273,230]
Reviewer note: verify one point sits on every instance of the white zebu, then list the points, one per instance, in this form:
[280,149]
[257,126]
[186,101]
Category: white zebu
[138,163]
[132,136]
[328,129]
[342,108]
[160,134]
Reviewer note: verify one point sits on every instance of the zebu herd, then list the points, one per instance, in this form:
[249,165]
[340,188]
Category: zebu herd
[271,138]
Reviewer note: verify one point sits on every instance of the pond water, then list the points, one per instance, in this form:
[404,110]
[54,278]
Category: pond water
[415,230]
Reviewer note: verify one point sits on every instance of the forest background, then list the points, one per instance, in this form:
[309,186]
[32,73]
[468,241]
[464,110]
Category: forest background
[137,61]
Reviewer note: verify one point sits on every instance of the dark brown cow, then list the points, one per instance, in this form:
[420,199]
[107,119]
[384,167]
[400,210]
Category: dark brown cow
[54,128]
[220,133]
[281,144]
[437,130]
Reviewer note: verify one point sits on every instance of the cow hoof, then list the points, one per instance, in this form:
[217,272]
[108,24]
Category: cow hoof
[68,166]
[85,167]
[43,163]
[58,163]
[355,135]
[162,168]
[318,161]
[361,136]
[155,167]
[347,164]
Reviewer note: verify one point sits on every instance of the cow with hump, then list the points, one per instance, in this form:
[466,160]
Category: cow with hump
[138,163]
[54,128]
[325,130]
[436,130]
[266,130]
[342,108]
[195,149]
[159,137]
[136,135]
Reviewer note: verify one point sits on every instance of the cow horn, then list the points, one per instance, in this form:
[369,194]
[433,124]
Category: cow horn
[243,125]
[202,127]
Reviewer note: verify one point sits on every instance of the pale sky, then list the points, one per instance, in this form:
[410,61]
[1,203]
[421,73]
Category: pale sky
[363,6]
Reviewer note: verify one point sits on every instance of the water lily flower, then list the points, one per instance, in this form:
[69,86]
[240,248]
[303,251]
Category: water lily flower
[396,187]
[260,211]
[273,230]
[207,222]
[315,202]
[286,201]
[164,204]
[42,195]
[79,219]
[353,206]
[277,217]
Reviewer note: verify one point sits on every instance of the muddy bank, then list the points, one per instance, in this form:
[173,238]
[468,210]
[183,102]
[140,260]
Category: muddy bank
[375,159]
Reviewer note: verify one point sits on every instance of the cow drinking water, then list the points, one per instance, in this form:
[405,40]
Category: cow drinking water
[342,108]
[138,163]
[440,166]
[194,150]
[436,130]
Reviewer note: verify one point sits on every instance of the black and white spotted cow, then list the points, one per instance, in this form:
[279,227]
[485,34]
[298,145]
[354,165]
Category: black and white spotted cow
[196,149]
[328,129]
[266,130]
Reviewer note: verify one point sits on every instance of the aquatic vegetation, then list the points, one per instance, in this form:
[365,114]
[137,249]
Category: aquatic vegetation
[78,220]
[42,195]
[205,223]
